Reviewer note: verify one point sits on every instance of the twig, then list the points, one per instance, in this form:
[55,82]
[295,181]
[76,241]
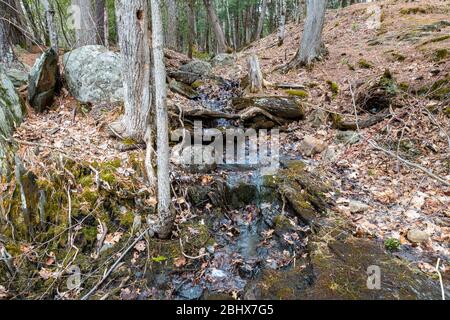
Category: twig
[188,256]
[440,278]
[113,267]
[409,163]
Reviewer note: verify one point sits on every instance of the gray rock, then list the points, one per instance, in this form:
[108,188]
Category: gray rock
[94,74]
[191,292]
[11,115]
[198,67]
[311,146]
[18,77]
[347,137]
[417,236]
[183,89]
[42,81]
[358,206]
[223,59]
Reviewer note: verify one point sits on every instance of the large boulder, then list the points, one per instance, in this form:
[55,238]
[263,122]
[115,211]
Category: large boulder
[197,67]
[94,74]
[11,115]
[42,80]
[18,77]
[223,59]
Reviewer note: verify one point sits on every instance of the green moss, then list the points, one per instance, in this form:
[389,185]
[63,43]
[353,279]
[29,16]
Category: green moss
[298,93]
[403,86]
[392,244]
[127,219]
[281,222]
[437,39]
[197,84]
[413,10]
[90,234]
[440,54]
[387,82]
[398,56]
[159,259]
[334,88]
[364,64]
[439,90]
[129,142]
[447,112]
[90,196]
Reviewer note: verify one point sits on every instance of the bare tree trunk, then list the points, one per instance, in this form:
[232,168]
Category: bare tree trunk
[215,23]
[165,215]
[172,25]
[7,56]
[262,18]
[87,33]
[192,34]
[255,75]
[106,28]
[13,17]
[311,47]
[100,21]
[132,26]
[282,23]
[32,22]
[51,25]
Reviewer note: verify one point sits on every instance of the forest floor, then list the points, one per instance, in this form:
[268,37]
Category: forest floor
[392,197]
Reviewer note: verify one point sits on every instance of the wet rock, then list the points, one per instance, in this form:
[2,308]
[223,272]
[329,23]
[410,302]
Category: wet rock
[347,137]
[18,77]
[417,236]
[198,67]
[223,59]
[357,206]
[94,74]
[43,79]
[190,292]
[183,89]
[311,146]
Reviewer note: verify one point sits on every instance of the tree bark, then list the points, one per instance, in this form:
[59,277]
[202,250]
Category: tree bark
[215,23]
[12,15]
[132,26]
[262,18]
[282,23]
[165,215]
[172,25]
[51,25]
[255,75]
[192,34]
[7,56]
[311,46]
[87,33]
[100,21]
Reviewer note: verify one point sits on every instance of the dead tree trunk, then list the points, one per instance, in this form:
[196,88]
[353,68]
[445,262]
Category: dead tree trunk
[215,23]
[86,34]
[282,23]
[255,76]
[132,26]
[311,46]
[172,25]
[12,15]
[165,215]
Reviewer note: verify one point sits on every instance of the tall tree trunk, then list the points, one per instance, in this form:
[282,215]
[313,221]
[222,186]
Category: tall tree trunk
[215,23]
[87,33]
[311,46]
[100,21]
[172,25]
[7,56]
[262,18]
[165,215]
[282,22]
[51,25]
[132,27]
[192,34]
[12,14]
[32,22]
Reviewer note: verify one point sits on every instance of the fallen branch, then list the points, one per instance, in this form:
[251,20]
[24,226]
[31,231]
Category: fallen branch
[113,267]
